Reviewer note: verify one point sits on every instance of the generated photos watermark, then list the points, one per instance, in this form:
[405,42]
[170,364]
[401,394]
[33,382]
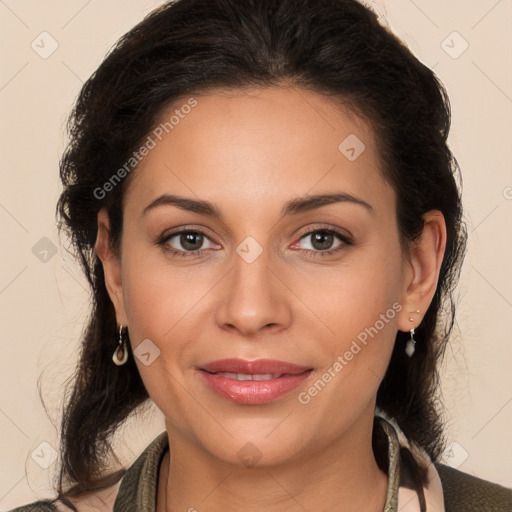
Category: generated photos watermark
[341,361]
[149,143]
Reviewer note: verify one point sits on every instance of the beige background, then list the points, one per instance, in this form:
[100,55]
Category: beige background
[43,304]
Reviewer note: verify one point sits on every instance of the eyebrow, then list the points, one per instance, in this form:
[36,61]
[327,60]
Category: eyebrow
[293,207]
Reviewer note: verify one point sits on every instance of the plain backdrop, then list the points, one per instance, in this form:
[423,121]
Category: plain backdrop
[48,50]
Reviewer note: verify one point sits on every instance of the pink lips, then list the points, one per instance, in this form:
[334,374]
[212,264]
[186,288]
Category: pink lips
[262,380]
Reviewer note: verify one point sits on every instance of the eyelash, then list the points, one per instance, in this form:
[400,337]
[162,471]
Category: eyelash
[346,241]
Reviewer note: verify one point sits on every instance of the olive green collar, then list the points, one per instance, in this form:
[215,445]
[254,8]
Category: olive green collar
[138,489]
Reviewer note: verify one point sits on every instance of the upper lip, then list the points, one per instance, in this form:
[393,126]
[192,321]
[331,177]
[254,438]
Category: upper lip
[255,367]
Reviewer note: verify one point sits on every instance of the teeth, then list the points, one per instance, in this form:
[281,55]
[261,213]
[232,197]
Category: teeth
[245,376]
[241,376]
[267,376]
[228,375]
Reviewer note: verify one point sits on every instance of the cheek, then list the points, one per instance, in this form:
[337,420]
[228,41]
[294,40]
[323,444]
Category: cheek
[355,296]
[165,303]
[360,307]
[158,295]
[160,307]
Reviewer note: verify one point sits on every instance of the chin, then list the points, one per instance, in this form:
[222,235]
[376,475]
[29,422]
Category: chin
[254,449]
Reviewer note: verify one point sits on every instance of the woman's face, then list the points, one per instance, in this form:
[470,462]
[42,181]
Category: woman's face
[319,284]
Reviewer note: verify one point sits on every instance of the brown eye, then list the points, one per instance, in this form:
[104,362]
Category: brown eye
[322,242]
[191,241]
[186,242]
[322,239]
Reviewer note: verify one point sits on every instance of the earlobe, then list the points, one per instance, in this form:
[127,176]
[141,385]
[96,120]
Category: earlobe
[111,266]
[426,257]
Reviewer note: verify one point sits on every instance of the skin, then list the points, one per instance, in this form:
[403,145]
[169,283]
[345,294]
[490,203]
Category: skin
[249,152]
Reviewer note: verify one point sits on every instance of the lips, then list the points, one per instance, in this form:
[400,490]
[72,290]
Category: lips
[248,376]
[256,367]
[253,382]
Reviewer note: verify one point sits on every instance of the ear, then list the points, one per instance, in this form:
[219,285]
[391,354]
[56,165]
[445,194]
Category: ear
[425,259]
[111,266]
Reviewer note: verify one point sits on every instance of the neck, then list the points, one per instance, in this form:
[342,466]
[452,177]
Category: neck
[342,476]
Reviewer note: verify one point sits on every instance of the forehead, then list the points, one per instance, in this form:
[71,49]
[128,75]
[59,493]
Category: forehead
[258,145]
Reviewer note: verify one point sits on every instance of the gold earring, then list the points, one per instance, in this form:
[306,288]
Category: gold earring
[417,312]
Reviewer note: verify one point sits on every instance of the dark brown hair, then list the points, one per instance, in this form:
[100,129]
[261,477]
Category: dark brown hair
[333,47]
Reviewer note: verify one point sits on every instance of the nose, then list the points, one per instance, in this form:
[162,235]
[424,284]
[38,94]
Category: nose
[254,297]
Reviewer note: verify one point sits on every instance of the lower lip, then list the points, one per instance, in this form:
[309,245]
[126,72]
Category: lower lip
[254,392]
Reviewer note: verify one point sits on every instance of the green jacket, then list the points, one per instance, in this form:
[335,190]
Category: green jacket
[462,492]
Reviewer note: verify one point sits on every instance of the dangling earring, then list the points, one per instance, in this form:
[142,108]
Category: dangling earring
[410,346]
[120,355]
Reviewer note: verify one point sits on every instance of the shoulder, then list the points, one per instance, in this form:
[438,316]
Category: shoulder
[142,473]
[467,493]
[37,506]
[99,501]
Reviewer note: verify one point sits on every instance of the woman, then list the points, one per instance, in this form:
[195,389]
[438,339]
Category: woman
[263,201]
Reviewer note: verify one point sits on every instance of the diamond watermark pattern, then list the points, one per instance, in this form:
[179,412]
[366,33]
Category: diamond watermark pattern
[44,455]
[249,455]
[146,352]
[455,454]
[44,250]
[352,147]
[454,45]
[249,249]
[44,45]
